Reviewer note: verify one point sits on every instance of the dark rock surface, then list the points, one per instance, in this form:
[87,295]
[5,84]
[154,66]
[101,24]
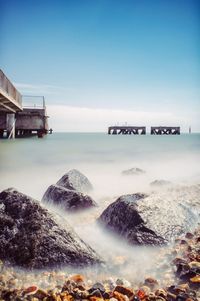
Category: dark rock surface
[31,237]
[75,180]
[133,171]
[147,220]
[70,200]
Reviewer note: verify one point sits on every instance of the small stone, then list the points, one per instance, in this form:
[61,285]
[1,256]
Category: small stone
[99,286]
[194,264]
[195,279]
[40,294]
[140,294]
[110,283]
[161,293]
[171,296]
[151,282]
[66,297]
[120,297]
[152,296]
[106,295]
[95,299]
[135,298]
[184,287]
[159,298]
[183,242]
[31,290]
[78,278]
[182,297]
[79,294]
[189,235]
[95,293]
[124,290]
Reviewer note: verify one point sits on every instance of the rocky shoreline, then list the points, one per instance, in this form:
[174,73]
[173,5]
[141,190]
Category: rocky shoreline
[40,252]
[183,257]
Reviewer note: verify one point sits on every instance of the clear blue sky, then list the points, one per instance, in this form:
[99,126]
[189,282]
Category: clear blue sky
[114,54]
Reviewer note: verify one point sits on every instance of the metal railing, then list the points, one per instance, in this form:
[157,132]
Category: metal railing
[10,90]
[33,101]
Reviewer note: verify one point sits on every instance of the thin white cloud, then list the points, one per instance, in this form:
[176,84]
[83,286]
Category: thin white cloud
[77,119]
[40,89]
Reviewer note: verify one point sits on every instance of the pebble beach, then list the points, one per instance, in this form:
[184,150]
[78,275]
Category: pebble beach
[181,281]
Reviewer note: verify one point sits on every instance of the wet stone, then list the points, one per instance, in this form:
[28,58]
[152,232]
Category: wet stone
[95,293]
[151,282]
[124,290]
[189,235]
[119,296]
[106,295]
[99,286]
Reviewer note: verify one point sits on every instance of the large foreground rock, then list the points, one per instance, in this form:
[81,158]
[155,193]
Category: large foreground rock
[75,180]
[148,220]
[31,237]
[70,200]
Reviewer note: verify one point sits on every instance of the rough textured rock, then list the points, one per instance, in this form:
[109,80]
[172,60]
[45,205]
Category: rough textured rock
[70,200]
[133,171]
[148,220]
[31,237]
[75,180]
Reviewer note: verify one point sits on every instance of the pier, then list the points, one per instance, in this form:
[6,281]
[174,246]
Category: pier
[165,130]
[141,130]
[127,130]
[17,120]
[32,121]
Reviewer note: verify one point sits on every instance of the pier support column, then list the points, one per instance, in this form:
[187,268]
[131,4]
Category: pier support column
[10,125]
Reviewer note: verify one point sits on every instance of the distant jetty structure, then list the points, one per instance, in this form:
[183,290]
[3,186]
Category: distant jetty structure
[127,130]
[165,130]
[17,120]
[141,130]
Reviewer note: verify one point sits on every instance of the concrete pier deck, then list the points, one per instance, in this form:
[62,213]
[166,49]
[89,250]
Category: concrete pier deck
[10,98]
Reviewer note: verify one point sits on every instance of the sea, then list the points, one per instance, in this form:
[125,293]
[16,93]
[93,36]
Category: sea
[30,165]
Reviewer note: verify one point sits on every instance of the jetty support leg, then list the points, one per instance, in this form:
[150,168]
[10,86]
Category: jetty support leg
[11,126]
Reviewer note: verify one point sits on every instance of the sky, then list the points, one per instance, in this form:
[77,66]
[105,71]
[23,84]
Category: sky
[105,62]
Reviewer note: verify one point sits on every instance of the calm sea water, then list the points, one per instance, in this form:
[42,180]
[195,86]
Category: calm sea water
[32,164]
